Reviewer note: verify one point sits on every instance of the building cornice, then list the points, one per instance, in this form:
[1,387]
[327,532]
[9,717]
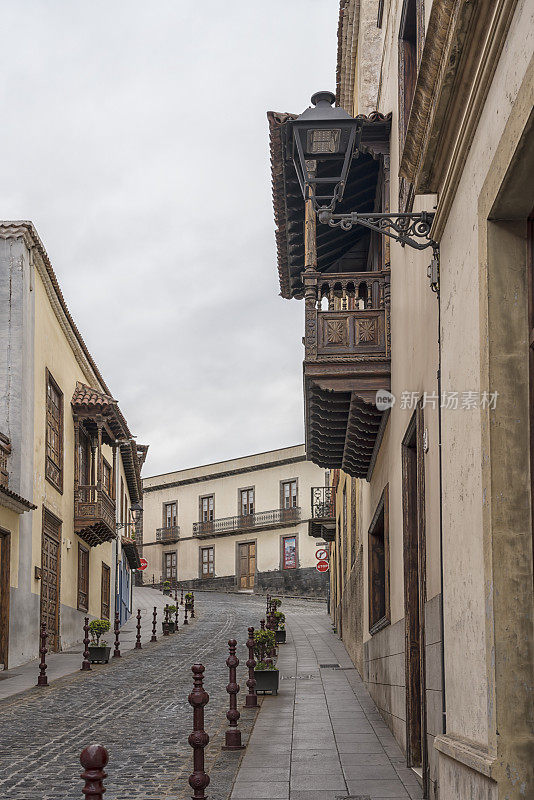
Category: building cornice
[224,474]
[14,502]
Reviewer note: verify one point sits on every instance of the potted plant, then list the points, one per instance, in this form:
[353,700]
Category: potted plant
[280,629]
[98,648]
[188,600]
[168,622]
[166,587]
[276,602]
[265,673]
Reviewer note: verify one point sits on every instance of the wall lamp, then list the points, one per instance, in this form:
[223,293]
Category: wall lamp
[136,510]
[325,140]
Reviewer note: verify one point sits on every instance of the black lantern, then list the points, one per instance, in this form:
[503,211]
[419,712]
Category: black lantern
[136,511]
[325,138]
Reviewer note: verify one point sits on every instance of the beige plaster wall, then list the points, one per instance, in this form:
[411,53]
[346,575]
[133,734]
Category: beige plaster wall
[9,521]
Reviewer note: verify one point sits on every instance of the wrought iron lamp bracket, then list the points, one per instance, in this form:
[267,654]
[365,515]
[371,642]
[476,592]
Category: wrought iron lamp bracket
[120,525]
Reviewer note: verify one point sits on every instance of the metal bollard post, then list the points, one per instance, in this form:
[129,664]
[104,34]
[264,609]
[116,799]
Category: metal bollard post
[166,621]
[176,620]
[185,615]
[182,598]
[138,635]
[232,738]
[93,760]
[117,652]
[251,700]
[86,664]
[42,680]
[262,624]
[154,621]
[192,605]
[198,780]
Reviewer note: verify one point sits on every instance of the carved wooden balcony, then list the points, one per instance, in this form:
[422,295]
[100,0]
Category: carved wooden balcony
[94,515]
[277,518]
[347,360]
[323,517]
[168,535]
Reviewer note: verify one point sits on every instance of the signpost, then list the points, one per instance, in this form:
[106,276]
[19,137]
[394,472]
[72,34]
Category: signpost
[144,563]
[322,566]
[321,554]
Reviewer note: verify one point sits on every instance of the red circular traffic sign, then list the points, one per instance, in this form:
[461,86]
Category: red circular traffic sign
[321,554]
[144,563]
[322,566]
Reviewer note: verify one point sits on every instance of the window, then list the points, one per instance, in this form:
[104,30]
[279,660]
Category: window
[105,592]
[207,506]
[122,501]
[289,494]
[407,61]
[54,433]
[169,566]
[379,614]
[107,478]
[207,562]
[344,521]
[169,515]
[83,578]
[289,552]
[246,502]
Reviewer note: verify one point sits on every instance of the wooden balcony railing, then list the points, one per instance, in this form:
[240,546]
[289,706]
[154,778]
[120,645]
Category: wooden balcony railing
[94,515]
[168,535]
[277,518]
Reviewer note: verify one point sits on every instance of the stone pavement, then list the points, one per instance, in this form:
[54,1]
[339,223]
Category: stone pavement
[68,661]
[321,738]
[137,708]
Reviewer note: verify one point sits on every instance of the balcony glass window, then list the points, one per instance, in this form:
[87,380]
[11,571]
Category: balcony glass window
[170,515]
[107,480]
[247,502]
[54,433]
[207,505]
[289,494]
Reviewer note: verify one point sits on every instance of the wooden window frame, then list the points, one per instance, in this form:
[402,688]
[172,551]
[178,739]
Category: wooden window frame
[107,466]
[61,432]
[240,503]
[201,550]
[282,494]
[283,551]
[380,518]
[409,53]
[85,551]
[106,570]
[165,506]
[206,497]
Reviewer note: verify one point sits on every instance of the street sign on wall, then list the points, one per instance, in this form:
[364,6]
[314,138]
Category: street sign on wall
[322,566]
[144,563]
[321,554]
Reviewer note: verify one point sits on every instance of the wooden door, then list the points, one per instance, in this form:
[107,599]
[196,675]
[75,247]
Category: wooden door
[105,593]
[5,540]
[207,559]
[247,565]
[50,574]
[170,566]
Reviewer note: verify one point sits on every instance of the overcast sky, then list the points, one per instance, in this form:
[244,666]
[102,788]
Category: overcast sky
[134,136]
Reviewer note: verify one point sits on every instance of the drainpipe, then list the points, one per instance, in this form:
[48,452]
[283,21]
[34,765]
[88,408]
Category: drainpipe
[440,450]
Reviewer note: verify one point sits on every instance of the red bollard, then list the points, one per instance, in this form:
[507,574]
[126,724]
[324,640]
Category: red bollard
[185,615]
[117,652]
[251,700]
[42,680]
[232,738]
[182,598]
[86,664]
[138,635]
[93,760]
[198,780]
[154,620]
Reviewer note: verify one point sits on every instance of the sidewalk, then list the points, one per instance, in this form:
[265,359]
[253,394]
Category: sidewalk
[24,677]
[321,738]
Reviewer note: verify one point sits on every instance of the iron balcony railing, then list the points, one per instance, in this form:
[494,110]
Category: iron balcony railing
[262,519]
[323,502]
[166,535]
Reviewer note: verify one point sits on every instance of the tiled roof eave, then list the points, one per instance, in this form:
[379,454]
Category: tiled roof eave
[15,502]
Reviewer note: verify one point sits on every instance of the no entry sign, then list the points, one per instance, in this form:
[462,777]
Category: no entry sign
[144,563]
[322,566]
[321,554]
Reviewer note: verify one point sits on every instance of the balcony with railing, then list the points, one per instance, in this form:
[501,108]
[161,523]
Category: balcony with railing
[277,518]
[347,360]
[168,535]
[323,517]
[94,515]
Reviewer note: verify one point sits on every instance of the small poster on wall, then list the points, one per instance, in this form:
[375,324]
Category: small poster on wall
[290,552]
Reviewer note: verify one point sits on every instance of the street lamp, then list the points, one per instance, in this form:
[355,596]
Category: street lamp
[324,134]
[325,140]
[136,510]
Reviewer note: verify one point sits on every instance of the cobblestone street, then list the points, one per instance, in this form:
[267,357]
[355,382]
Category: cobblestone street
[137,708]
